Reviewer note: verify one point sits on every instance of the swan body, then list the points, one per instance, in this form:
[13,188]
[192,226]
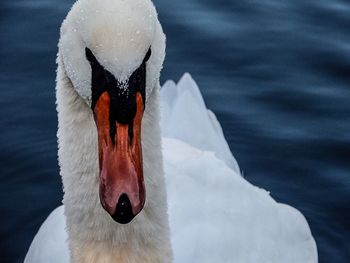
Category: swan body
[214,214]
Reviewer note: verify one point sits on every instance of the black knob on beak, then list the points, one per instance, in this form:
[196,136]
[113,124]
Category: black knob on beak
[123,212]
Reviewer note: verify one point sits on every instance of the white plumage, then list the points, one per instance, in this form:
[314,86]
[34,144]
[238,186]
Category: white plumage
[214,214]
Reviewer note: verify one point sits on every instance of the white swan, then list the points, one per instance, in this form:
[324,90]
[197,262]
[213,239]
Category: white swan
[107,49]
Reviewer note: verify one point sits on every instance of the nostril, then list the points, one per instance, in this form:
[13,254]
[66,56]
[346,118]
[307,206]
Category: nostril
[123,212]
[123,204]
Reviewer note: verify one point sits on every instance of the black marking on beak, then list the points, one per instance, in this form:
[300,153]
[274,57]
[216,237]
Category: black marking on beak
[131,131]
[122,94]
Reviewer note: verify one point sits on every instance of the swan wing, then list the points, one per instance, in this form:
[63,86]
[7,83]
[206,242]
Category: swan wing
[184,116]
[217,216]
[50,243]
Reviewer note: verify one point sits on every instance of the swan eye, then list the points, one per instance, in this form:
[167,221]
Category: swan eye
[89,56]
[148,55]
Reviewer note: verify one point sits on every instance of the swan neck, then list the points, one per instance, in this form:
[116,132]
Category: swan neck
[93,236]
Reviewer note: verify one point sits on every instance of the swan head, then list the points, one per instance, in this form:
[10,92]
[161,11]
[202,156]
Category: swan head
[113,51]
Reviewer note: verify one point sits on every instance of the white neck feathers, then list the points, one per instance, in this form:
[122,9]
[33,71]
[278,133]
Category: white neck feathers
[93,235]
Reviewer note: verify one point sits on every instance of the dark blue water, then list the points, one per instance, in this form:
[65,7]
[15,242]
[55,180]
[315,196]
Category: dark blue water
[276,73]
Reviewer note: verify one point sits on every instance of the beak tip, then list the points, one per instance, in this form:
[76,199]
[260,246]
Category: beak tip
[123,213]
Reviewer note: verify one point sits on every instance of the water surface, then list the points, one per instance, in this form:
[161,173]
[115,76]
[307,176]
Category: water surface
[276,73]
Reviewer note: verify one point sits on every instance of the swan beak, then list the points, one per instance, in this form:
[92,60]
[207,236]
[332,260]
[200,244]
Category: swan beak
[122,190]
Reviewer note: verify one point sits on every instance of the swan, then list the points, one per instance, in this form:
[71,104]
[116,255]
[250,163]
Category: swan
[147,174]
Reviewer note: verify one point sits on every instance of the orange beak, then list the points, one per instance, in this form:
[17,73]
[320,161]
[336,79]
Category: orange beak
[122,189]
